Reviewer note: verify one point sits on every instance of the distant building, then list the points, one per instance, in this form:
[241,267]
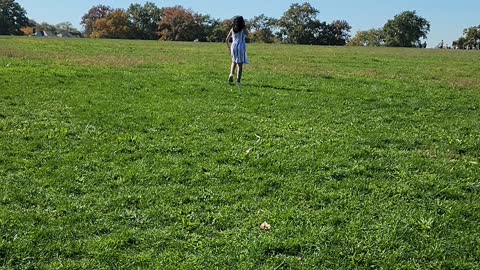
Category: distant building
[70,34]
[43,33]
[63,34]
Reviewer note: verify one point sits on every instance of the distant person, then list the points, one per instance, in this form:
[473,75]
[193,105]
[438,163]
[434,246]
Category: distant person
[238,48]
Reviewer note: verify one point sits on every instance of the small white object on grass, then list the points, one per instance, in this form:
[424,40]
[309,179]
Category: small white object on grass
[265,226]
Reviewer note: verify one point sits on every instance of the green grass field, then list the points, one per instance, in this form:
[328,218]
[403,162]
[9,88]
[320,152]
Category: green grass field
[139,155]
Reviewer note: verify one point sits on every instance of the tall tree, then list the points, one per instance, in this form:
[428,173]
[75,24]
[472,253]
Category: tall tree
[337,33]
[95,13]
[179,24]
[406,30]
[114,25]
[460,43]
[299,24]
[472,37]
[372,38]
[12,18]
[65,27]
[51,29]
[219,30]
[205,25]
[262,29]
[144,20]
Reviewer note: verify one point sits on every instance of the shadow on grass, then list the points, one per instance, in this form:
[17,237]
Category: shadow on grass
[275,87]
[299,88]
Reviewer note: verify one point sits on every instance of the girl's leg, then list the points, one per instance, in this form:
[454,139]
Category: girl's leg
[232,68]
[240,71]
[232,72]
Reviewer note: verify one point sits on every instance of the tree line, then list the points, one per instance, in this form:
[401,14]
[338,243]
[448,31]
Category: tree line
[406,29]
[470,39]
[300,24]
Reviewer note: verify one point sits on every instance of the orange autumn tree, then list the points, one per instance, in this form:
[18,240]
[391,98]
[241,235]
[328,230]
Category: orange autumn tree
[180,24]
[113,25]
[94,14]
[27,31]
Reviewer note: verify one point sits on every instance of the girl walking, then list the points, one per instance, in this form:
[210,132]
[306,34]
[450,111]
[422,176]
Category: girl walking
[238,49]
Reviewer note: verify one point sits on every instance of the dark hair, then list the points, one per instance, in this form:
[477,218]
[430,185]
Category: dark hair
[238,24]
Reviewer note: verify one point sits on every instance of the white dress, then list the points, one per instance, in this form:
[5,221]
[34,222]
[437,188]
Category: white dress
[239,49]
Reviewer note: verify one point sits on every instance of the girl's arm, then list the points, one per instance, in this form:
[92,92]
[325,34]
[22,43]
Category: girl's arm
[228,39]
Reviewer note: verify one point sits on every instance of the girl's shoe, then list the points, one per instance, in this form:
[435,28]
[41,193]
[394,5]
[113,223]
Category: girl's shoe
[230,79]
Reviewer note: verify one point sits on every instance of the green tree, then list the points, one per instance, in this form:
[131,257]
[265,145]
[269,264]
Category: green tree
[144,20]
[372,38]
[206,25]
[95,13]
[51,29]
[262,29]
[65,27]
[460,43]
[219,30]
[299,24]
[406,30]
[472,37]
[12,18]
[337,33]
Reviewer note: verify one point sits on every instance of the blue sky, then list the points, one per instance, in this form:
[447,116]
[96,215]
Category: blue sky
[448,18]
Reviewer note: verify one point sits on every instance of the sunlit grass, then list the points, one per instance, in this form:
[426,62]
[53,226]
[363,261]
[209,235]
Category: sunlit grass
[137,154]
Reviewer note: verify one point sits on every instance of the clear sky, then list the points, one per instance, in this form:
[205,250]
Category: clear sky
[448,18]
